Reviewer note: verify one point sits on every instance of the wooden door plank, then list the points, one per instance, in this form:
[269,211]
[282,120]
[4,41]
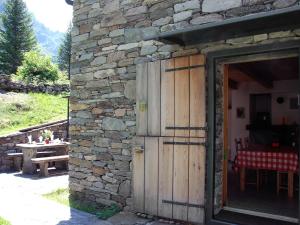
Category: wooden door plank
[196,181]
[167,98]
[154,98]
[197,60]
[151,175]
[180,180]
[138,175]
[165,177]
[197,96]
[182,99]
[141,98]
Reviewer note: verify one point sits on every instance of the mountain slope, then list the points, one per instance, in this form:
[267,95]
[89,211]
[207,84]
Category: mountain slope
[48,40]
[2,2]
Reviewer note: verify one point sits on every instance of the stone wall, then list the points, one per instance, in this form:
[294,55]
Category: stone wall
[7,84]
[8,142]
[107,45]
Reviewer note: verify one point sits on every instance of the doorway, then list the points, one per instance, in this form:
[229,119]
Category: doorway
[259,116]
[262,139]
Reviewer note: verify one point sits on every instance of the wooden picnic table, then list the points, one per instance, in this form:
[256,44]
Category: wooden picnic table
[30,151]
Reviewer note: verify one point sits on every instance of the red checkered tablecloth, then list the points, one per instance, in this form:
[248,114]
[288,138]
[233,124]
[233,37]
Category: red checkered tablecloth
[280,161]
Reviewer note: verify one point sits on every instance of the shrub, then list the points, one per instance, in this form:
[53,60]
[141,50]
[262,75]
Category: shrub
[4,222]
[37,68]
[108,212]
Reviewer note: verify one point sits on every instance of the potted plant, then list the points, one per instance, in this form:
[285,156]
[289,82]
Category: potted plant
[47,134]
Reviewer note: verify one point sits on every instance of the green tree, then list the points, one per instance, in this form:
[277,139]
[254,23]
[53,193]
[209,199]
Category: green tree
[64,51]
[38,68]
[16,35]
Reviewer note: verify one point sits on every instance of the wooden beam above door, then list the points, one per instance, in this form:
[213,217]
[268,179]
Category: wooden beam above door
[255,75]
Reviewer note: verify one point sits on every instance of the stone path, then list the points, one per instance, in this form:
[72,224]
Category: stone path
[22,204]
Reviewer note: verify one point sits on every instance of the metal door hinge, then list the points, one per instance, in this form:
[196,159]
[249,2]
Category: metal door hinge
[184,143]
[184,68]
[183,204]
[186,128]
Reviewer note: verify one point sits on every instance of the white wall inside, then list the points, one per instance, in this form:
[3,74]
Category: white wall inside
[241,98]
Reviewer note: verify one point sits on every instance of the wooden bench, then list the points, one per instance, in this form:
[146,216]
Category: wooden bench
[18,157]
[43,162]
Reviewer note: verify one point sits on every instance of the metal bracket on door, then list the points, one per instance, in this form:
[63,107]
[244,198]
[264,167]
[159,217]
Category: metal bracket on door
[298,99]
[186,128]
[184,143]
[183,204]
[183,68]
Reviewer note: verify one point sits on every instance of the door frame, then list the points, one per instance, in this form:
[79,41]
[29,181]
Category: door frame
[212,60]
[298,98]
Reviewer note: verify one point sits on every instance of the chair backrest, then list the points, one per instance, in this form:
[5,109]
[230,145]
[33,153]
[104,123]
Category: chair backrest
[246,142]
[238,144]
[60,134]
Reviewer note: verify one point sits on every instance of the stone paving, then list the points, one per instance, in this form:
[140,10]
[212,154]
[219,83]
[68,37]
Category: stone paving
[22,204]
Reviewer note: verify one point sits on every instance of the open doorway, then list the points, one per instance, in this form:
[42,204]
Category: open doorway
[261,138]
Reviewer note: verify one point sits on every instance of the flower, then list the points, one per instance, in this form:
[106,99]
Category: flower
[46,134]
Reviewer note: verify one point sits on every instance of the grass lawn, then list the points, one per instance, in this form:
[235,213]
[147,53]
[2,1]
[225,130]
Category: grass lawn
[63,196]
[4,222]
[19,110]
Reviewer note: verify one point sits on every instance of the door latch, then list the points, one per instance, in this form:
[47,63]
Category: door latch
[139,150]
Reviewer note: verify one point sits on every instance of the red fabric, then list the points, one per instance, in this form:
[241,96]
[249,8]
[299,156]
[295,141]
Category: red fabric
[268,160]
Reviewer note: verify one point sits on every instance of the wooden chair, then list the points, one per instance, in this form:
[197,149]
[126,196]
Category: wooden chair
[246,142]
[17,158]
[240,146]
[297,181]
[280,185]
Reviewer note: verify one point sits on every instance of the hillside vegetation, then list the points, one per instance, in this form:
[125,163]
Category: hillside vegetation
[4,222]
[19,110]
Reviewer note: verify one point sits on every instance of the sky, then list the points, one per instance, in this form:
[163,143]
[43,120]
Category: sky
[54,14]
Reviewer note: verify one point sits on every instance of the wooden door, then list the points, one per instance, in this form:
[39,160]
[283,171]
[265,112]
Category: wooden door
[169,160]
[171,98]
[169,178]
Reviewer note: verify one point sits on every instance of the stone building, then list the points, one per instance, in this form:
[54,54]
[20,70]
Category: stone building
[113,41]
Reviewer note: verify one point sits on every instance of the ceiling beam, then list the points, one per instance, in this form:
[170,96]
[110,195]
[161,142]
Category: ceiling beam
[233,84]
[255,75]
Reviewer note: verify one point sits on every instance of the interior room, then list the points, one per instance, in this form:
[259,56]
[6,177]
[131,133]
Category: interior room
[263,138]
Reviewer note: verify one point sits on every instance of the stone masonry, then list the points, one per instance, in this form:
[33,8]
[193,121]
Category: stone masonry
[107,44]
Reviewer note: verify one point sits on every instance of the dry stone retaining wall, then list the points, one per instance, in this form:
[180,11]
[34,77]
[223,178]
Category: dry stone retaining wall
[107,44]
[7,85]
[8,142]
